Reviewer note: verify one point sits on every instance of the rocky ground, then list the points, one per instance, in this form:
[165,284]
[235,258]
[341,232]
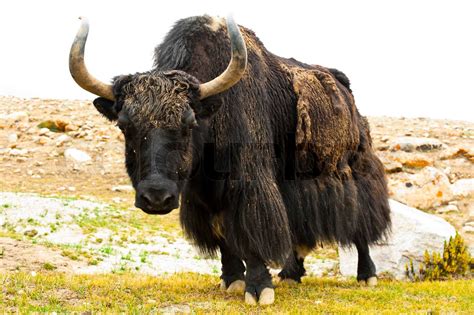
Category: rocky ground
[66,149]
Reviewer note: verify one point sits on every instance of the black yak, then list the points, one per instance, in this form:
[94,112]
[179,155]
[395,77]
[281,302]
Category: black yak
[267,157]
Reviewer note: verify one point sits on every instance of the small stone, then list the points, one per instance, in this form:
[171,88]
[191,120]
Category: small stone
[76,156]
[468,229]
[71,188]
[121,188]
[12,138]
[393,167]
[33,273]
[463,188]
[18,152]
[43,131]
[447,209]
[42,140]
[10,119]
[62,139]
[151,301]
[70,127]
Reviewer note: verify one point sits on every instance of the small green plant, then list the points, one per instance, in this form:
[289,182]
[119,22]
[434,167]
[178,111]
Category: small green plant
[106,250]
[454,263]
[143,256]
[49,266]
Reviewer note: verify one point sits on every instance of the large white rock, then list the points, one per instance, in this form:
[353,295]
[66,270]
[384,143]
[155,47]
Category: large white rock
[413,232]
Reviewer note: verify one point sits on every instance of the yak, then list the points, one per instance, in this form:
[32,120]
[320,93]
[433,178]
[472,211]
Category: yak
[266,157]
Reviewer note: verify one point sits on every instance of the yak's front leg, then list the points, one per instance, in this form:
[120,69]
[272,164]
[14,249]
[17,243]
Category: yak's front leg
[232,271]
[258,283]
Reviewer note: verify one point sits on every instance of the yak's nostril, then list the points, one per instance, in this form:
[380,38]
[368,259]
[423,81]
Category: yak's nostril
[167,199]
[147,198]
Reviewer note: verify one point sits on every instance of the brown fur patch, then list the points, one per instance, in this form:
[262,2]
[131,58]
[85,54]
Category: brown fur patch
[324,118]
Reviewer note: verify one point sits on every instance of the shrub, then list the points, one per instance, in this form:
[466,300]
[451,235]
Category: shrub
[454,263]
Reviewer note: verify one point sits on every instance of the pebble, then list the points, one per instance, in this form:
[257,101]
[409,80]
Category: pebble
[76,155]
[12,138]
[468,229]
[447,209]
[121,188]
[62,139]
[463,188]
[44,131]
[18,152]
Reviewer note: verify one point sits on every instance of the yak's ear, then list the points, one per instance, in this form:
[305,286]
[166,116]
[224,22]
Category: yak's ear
[107,108]
[208,107]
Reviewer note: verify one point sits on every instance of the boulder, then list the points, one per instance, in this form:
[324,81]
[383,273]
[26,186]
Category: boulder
[425,190]
[463,188]
[410,144]
[413,232]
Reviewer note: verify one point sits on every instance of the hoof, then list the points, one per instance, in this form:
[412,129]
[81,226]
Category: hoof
[250,299]
[372,281]
[238,286]
[267,296]
[222,286]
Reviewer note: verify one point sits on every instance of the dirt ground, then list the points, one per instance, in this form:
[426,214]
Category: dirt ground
[23,256]
[32,159]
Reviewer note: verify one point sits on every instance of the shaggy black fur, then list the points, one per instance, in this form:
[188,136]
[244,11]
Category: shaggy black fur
[281,159]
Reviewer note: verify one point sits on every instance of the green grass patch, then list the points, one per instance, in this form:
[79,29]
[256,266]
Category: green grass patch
[132,293]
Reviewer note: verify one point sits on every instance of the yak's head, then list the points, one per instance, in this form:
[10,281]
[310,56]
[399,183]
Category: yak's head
[157,112]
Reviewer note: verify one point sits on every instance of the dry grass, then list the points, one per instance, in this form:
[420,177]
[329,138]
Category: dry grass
[131,293]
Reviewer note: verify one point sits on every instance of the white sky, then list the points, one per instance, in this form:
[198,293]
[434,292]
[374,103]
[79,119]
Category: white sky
[404,58]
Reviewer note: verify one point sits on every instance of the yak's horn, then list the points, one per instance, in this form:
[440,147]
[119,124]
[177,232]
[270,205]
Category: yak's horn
[78,68]
[236,67]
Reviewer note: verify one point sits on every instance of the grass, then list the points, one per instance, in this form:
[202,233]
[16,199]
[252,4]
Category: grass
[132,293]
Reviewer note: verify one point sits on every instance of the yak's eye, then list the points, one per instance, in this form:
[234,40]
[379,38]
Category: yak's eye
[123,124]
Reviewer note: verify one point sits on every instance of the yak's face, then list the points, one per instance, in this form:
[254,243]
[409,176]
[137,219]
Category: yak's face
[155,113]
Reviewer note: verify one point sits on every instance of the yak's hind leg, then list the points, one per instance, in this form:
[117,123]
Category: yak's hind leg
[293,269]
[365,266]
[232,271]
[258,282]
